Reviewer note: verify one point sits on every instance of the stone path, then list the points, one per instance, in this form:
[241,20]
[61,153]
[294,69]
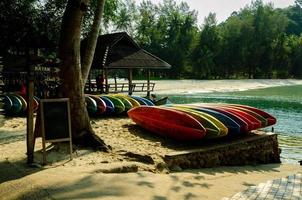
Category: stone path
[289,188]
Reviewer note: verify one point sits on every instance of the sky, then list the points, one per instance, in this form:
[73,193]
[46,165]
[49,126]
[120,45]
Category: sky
[223,8]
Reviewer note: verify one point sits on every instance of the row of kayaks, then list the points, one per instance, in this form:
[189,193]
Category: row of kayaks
[200,121]
[177,121]
[15,104]
[114,104]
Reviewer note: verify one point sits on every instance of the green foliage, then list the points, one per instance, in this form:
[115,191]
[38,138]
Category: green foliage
[20,24]
[258,41]
[168,30]
[204,56]
[294,14]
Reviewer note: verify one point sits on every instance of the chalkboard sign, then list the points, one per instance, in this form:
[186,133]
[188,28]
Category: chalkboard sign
[55,118]
[55,121]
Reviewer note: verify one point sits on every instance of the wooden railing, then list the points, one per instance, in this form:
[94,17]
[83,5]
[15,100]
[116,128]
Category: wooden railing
[122,87]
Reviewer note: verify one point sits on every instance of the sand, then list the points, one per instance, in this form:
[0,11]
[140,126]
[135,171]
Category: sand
[89,175]
[98,175]
[206,86]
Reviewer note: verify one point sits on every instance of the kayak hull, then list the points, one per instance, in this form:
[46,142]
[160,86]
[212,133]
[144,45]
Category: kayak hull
[168,123]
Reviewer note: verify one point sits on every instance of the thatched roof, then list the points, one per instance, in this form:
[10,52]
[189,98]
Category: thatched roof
[119,51]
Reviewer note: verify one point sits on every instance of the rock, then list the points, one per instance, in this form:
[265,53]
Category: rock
[120,169]
[140,158]
[158,144]
[161,166]
[176,168]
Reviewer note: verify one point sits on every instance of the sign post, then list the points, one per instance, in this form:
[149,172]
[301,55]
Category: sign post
[30,121]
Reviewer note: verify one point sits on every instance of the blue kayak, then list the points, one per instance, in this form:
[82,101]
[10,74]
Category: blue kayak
[109,105]
[231,124]
[243,125]
[143,101]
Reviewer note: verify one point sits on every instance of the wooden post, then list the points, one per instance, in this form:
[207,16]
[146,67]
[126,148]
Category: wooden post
[130,81]
[30,139]
[148,84]
[106,80]
[115,83]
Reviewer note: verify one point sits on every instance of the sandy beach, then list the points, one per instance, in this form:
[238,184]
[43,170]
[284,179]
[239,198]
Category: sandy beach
[98,175]
[133,170]
[206,86]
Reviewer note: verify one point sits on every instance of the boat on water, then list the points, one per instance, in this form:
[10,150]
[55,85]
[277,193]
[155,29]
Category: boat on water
[162,101]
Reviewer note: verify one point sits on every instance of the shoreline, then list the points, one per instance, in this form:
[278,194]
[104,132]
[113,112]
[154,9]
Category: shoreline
[208,86]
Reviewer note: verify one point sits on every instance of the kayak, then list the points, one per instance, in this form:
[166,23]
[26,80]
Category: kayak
[7,102]
[143,101]
[263,121]
[101,105]
[91,105]
[234,127]
[133,102]
[214,128]
[128,105]
[168,123]
[109,105]
[23,101]
[270,119]
[119,107]
[16,105]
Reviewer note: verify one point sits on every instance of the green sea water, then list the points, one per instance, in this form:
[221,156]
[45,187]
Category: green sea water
[283,102]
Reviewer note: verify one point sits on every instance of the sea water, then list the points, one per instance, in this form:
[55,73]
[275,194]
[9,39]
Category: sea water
[283,102]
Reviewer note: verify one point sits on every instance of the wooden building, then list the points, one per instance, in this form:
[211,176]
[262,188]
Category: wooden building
[118,51]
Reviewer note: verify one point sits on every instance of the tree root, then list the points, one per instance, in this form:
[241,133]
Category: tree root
[90,139]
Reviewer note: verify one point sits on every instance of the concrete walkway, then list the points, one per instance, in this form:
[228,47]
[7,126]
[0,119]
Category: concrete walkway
[289,188]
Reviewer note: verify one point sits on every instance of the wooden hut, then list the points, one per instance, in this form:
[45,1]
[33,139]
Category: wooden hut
[119,51]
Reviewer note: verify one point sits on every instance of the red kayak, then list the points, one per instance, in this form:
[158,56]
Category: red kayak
[265,118]
[169,123]
[256,115]
[244,126]
[270,119]
[251,120]
[101,105]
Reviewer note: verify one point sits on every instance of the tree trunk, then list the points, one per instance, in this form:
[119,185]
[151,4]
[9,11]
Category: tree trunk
[92,40]
[71,74]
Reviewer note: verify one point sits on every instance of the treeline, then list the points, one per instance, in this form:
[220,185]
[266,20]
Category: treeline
[259,41]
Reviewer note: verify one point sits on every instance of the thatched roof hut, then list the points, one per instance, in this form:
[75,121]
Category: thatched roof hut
[120,51]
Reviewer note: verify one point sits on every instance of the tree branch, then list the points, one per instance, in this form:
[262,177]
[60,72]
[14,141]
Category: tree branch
[92,40]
